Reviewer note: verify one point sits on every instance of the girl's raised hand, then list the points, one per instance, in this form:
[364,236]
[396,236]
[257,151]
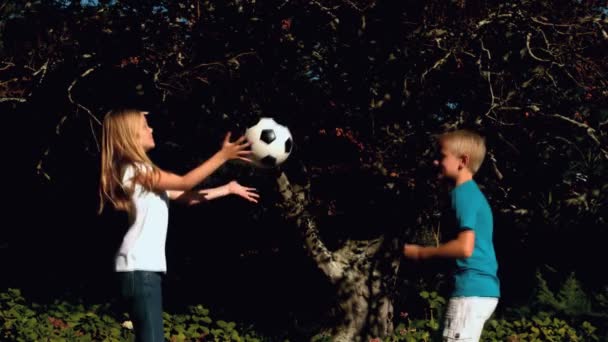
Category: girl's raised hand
[249,194]
[237,149]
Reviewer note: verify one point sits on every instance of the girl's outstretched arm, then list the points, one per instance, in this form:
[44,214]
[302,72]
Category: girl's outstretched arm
[230,150]
[198,196]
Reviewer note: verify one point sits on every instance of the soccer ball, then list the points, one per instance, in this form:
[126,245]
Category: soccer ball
[271,142]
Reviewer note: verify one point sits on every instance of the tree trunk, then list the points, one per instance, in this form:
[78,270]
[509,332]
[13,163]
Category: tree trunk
[364,295]
[363,271]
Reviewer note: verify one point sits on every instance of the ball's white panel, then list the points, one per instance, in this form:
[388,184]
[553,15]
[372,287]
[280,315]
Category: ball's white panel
[276,148]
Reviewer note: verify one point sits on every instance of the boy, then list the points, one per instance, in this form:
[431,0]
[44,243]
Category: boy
[476,285]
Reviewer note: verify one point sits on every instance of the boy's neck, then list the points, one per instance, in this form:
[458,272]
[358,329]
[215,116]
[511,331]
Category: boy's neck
[463,177]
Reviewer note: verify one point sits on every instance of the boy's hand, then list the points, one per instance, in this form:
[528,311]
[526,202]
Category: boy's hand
[412,251]
[237,149]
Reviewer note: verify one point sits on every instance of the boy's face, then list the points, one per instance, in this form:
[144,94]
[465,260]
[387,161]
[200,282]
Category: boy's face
[449,163]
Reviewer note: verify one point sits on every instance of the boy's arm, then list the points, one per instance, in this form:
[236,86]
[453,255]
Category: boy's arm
[461,247]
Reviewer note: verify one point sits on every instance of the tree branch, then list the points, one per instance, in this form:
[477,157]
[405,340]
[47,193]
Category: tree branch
[528,36]
[534,19]
[294,202]
[495,167]
[589,130]
[8,65]
[12,99]
[325,9]
[437,64]
[357,8]
[488,75]
[83,75]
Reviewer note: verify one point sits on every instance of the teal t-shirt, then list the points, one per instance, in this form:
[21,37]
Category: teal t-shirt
[476,275]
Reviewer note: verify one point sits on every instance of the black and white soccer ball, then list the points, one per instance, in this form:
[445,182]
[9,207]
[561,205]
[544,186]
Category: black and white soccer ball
[271,142]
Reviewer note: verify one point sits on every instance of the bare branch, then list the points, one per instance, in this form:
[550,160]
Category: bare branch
[589,130]
[508,143]
[495,167]
[406,92]
[572,77]
[571,143]
[354,6]
[325,9]
[94,135]
[551,77]
[12,99]
[206,65]
[437,64]
[489,75]
[8,65]
[39,167]
[534,19]
[544,37]
[83,75]
[222,65]
[43,69]
[492,17]
[530,50]
[157,81]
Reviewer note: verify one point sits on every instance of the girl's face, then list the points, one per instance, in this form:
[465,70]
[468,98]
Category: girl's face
[145,135]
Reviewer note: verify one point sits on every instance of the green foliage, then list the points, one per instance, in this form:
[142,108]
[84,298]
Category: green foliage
[323,337]
[539,327]
[61,321]
[570,300]
[436,303]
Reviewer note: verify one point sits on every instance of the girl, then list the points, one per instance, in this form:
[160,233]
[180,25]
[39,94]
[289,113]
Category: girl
[132,183]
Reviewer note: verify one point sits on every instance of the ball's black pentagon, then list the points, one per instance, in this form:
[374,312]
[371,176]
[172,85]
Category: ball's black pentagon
[288,144]
[267,136]
[269,161]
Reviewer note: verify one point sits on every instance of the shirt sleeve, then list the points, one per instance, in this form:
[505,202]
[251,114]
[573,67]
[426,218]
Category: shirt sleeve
[466,212]
[127,176]
[129,172]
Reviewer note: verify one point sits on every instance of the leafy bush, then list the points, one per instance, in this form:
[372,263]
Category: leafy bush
[540,327]
[570,300]
[566,314]
[570,314]
[61,321]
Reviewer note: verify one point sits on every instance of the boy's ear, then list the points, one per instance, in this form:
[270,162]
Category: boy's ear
[464,161]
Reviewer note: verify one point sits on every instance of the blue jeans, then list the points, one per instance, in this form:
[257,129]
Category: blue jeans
[141,291]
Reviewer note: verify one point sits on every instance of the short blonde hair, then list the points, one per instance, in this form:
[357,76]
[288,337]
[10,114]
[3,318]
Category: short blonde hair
[465,142]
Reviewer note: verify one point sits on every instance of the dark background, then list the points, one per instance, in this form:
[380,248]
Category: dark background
[357,83]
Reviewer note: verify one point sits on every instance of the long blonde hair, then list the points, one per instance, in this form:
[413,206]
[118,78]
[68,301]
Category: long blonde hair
[120,148]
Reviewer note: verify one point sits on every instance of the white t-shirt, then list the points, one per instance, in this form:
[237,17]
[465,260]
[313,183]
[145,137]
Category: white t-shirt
[143,246]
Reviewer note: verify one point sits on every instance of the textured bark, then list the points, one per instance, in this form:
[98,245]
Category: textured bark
[363,271]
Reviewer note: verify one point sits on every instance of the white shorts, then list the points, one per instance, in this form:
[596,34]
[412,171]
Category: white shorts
[466,316]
